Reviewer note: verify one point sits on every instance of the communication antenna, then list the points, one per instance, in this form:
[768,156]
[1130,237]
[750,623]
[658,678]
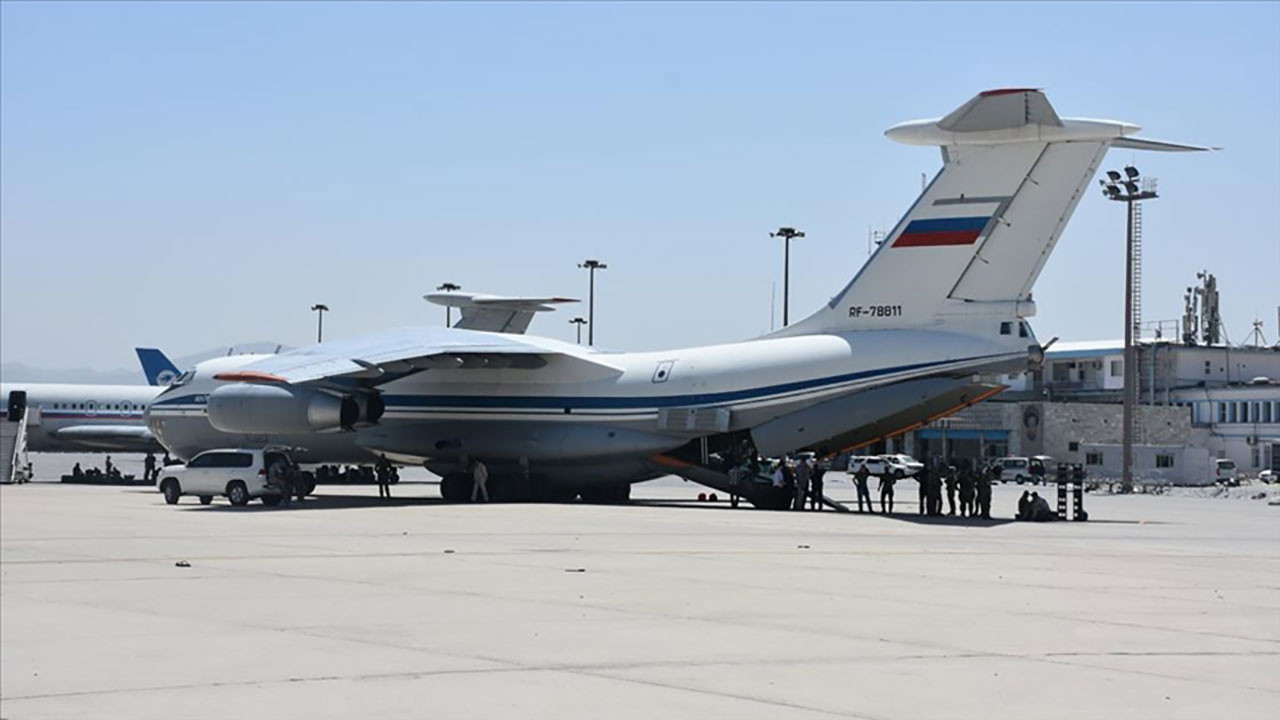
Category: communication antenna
[1258,338]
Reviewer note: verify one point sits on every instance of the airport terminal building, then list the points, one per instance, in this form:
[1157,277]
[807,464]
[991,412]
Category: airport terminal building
[1196,404]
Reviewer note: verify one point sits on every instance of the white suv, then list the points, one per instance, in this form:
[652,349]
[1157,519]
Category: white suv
[898,466]
[238,474]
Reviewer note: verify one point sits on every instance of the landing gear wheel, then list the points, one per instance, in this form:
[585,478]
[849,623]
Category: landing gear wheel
[206,499]
[237,493]
[171,491]
[455,487]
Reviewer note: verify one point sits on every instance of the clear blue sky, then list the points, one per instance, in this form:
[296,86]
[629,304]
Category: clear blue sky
[192,175]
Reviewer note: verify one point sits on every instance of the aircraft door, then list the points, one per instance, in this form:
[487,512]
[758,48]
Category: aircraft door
[17,404]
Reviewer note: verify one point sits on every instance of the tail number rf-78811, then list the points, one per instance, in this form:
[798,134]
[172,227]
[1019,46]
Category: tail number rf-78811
[857,311]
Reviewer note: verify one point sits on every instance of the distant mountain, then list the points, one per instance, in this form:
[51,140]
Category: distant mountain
[21,372]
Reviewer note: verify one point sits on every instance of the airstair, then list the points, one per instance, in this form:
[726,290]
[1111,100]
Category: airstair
[15,466]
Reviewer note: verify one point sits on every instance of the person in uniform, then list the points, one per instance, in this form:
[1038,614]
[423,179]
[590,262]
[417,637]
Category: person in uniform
[383,473]
[480,479]
[803,472]
[935,493]
[984,495]
[149,467]
[922,491]
[278,477]
[815,489]
[966,494]
[860,480]
[951,493]
[886,493]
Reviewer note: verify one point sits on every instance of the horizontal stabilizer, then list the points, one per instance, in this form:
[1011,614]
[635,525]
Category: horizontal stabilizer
[1133,143]
[1001,110]
[496,313]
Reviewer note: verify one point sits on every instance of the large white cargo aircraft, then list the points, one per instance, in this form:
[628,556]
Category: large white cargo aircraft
[551,418]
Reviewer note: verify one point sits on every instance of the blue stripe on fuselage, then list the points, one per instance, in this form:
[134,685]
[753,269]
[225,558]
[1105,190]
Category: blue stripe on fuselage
[616,402]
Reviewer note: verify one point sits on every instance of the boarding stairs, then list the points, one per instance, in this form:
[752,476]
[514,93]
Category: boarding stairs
[15,466]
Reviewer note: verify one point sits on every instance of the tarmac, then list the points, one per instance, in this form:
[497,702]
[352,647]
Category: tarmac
[348,606]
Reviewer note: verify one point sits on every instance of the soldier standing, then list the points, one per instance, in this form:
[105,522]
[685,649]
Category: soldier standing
[860,480]
[966,494]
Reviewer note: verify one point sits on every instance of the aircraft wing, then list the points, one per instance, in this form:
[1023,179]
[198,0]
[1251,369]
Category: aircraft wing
[125,438]
[388,355]
[496,313]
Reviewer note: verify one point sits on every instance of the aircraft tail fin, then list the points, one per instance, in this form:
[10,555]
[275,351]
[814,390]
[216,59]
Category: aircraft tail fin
[156,366]
[976,239]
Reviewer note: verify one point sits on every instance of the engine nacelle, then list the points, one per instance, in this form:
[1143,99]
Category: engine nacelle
[371,408]
[279,409]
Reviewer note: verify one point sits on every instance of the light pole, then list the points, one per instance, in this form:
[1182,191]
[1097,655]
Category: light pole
[591,266]
[579,322]
[1129,188]
[787,234]
[448,309]
[320,310]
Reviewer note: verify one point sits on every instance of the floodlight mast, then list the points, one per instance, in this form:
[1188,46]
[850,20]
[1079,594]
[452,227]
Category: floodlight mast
[787,234]
[591,266]
[320,309]
[1135,189]
[448,315]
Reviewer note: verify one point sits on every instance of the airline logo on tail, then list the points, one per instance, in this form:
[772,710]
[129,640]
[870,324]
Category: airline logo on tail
[942,231]
[157,367]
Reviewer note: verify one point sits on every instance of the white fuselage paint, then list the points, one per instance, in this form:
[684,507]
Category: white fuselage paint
[755,381]
[85,418]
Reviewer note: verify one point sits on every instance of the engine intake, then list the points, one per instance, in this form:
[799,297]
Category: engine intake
[279,409]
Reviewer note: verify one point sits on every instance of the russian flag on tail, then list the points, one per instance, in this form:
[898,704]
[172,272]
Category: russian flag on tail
[941,231]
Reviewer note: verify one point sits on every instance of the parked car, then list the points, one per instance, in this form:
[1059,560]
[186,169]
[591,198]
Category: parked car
[238,474]
[898,466]
[1224,472]
[1017,469]
[1269,476]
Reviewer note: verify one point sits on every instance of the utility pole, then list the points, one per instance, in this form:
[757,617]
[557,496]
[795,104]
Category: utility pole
[448,309]
[591,267]
[579,322]
[1130,189]
[787,234]
[320,310]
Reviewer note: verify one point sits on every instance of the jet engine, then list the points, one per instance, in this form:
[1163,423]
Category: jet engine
[281,409]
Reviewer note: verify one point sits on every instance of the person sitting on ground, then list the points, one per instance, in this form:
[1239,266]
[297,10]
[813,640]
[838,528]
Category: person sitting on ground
[1040,510]
[1024,504]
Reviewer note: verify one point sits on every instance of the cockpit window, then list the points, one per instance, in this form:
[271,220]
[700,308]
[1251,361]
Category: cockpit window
[183,379]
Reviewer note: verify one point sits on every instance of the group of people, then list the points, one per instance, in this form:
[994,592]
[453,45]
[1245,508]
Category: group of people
[803,483]
[150,469]
[973,488]
[1035,508]
[109,470]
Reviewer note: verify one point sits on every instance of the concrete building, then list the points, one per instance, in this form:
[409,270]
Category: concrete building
[1224,401]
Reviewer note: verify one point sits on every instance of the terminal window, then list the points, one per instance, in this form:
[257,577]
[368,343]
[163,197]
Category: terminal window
[1116,368]
[1164,461]
[1093,458]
